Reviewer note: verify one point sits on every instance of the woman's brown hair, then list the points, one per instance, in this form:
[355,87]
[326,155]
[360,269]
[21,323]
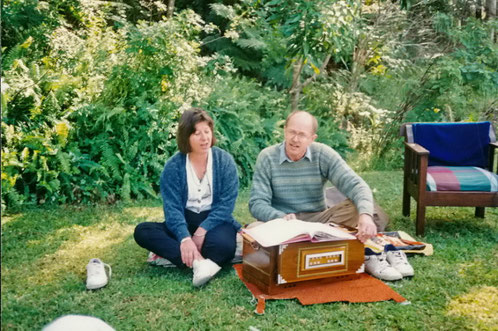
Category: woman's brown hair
[186,127]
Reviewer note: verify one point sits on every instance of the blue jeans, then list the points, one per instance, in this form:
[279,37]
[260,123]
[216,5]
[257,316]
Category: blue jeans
[219,244]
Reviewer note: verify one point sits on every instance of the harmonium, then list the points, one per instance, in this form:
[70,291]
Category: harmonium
[276,268]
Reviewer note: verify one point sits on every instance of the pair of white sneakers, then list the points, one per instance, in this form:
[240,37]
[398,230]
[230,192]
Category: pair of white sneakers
[391,265]
[96,276]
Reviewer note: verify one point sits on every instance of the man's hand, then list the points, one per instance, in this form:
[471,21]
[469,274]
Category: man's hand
[189,252]
[366,228]
[290,217]
[198,238]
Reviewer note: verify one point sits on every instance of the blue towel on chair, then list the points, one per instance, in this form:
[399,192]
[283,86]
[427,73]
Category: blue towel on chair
[454,144]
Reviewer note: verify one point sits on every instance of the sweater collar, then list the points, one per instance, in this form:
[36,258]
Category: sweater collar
[284,157]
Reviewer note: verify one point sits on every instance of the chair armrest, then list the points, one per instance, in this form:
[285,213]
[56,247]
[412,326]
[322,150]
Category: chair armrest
[415,169]
[417,148]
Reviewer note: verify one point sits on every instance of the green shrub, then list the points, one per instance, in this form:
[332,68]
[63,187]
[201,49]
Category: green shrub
[95,120]
[248,118]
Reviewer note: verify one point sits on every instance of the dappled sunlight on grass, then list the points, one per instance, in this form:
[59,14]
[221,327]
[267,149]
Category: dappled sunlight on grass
[73,255]
[480,304]
[7,219]
[45,252]
[149,214]
[479,265]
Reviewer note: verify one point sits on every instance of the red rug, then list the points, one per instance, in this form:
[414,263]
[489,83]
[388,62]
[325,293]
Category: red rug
[364,289]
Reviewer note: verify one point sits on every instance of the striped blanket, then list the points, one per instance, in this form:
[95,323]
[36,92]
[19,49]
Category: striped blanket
[441,178]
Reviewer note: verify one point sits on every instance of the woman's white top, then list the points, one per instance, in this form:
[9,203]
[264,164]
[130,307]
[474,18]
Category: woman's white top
[200,194]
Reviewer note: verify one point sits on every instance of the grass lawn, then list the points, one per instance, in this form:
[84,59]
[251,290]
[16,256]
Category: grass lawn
[44,254]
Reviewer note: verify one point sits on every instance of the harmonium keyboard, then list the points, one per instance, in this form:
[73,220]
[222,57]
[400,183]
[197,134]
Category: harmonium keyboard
[276,268]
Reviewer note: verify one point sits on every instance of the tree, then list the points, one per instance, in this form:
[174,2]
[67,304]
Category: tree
[491,15]
[316,31]
[313,33]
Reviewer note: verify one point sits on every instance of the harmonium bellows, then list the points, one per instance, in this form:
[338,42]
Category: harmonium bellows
[273,269]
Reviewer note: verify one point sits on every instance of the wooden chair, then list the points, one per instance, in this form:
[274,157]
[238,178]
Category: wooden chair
[432,150]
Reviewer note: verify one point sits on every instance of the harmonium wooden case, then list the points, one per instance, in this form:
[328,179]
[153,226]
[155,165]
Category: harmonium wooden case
[277,268]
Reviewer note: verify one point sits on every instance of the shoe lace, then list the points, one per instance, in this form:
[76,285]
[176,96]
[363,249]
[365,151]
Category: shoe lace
[96,271]
[382,258]
[399,257]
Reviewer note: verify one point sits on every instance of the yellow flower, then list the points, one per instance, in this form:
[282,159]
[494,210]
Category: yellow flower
[27,43]
[315,69]
[164,84]
[25,154]
[437,110]
[379,70]
[62,129]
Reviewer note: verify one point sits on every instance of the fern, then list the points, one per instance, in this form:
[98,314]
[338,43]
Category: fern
[253,44]
[126,188]
[224,11]
[64,161]
[110,161]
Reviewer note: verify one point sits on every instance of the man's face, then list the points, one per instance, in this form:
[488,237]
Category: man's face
[298,135]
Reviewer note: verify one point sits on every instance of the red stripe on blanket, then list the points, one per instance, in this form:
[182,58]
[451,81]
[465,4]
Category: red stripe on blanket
[445,179]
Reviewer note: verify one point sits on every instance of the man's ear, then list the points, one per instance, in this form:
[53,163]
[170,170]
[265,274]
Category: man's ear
[313,137]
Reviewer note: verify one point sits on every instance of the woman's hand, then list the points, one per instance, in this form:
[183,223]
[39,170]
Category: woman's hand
[189,252]
[198,238]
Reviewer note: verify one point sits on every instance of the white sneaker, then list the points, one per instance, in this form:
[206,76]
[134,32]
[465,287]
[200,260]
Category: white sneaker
[204,270]
[96,276]
[377,266]
[398,260]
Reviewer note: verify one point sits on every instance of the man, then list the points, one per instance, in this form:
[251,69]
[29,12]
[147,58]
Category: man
[289,182]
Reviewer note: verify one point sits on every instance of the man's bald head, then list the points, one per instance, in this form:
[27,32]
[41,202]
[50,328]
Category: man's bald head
[303,117]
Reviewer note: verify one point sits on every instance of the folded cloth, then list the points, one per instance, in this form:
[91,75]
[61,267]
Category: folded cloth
[441,178]
[154,259]
[399,239]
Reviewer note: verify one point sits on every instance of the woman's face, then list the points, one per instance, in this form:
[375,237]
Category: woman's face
[200,140]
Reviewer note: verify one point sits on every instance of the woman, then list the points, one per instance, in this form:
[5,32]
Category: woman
[199,186]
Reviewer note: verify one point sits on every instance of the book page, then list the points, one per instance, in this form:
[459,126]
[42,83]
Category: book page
[325,232]
[278,231]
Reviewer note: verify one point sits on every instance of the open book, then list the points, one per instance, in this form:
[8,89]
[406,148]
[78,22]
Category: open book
[280,231]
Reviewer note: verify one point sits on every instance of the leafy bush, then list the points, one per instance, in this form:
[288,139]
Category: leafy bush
[91,98]
[95,120]
[248,118]
[453,80]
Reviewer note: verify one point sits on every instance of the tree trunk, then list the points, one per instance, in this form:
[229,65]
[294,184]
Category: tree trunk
[295,90]
[171,8]
[297,85]
[478,13]
[491,15]
[472,8]
[295,95]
